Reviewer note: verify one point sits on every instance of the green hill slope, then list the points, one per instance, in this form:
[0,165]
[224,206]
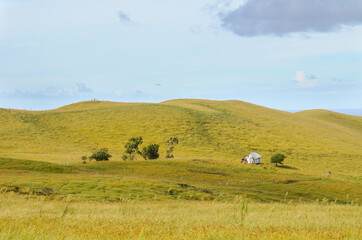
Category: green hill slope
[213,129]
[352,124]
[213,136]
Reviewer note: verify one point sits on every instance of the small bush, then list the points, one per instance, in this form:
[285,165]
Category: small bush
[101,155]
[124,157]
[277,158]
[150,152]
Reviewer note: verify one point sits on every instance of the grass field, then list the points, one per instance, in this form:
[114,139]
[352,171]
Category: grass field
[47,193]
[188,179]
[22,218]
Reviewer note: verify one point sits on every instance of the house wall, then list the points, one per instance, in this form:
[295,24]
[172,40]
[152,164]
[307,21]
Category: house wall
[251,160]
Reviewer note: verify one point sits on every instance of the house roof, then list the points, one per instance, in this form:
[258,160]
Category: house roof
[255,155]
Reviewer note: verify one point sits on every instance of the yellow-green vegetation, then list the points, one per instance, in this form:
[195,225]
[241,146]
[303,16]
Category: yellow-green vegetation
[22,218]
[352,124]
[216,129]
[189,196]
[213,136]
[177,179]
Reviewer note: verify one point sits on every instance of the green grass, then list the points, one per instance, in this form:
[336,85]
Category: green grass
[22,218]
[33,166]
[176,179]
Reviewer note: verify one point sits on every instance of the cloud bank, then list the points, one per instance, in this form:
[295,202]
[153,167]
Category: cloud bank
[281,17]
[82,88]
[304,81]
[49,92]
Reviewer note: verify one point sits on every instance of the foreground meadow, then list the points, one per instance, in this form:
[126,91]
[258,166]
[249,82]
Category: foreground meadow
[36,218]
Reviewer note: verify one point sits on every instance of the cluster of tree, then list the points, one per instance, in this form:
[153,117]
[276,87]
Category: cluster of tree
[132,148]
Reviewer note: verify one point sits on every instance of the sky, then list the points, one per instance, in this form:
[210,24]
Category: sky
[282,54]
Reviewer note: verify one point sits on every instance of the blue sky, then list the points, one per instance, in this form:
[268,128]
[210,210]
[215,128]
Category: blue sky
[284,54]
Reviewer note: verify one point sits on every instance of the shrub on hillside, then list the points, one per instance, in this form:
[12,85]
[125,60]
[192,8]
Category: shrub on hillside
[101,154]
[150,152]
[170,146]
[277,158]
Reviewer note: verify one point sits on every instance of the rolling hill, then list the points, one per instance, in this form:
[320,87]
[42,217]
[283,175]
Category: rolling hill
[213,136]
[351,124]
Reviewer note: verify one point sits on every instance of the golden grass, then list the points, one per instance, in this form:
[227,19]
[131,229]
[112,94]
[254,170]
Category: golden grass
[22,218]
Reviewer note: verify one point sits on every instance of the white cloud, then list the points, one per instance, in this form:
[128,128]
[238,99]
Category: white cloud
[305,81]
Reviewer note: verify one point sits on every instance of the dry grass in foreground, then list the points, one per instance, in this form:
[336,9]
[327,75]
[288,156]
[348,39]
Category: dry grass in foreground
[22,218]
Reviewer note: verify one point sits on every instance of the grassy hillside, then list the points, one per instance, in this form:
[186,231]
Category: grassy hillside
[214,135]
[213,129]
[351,124]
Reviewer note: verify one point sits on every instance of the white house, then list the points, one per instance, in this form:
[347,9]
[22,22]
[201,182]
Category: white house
[252,158]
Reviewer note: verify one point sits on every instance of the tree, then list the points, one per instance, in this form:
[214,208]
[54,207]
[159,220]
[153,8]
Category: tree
[277,158]
[150,152]
[132,148]
[101,154]
[170,146]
